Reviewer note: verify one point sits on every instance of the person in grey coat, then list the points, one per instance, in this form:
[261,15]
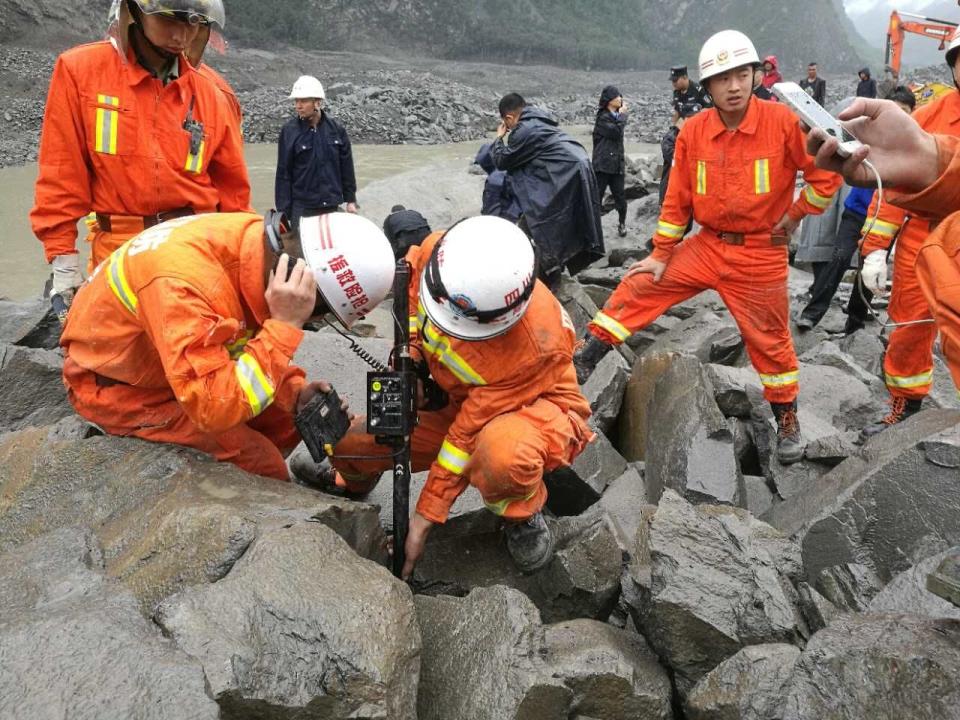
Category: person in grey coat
[554,181]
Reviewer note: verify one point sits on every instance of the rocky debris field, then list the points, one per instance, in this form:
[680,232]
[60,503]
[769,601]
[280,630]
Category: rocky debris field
[379,100]
[695,577]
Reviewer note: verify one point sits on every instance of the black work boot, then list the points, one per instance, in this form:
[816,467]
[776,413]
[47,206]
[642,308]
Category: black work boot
[530,543]
[586,358]
[900,410]
[789,441]
[622,229]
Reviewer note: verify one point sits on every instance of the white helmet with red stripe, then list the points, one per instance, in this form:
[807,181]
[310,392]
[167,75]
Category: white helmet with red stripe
[480,278]
[351,260]
[726,50]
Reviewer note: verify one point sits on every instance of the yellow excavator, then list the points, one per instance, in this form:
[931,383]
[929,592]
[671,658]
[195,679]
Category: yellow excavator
[902,23]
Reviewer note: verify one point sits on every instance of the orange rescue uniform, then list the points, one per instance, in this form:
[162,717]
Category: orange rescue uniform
[938,259]
[515,410]
[737,184]
[171,340]
[908,362]
[114,141]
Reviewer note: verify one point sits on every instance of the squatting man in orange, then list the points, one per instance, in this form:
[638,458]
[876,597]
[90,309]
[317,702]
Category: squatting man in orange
[734,170]
[499,344]
[185,334]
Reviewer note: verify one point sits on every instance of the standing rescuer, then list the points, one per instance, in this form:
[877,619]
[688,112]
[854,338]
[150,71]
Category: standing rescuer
[315,172]
[186,334]
[133,132]
[734,171]
[908,361]
[496,340]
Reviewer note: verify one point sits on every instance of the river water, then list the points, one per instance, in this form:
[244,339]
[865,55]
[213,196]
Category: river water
[25,270]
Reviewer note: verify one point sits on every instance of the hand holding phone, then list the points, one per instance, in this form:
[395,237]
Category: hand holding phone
[814,116]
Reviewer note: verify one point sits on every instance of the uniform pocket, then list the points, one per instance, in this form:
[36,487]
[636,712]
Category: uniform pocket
[112,126]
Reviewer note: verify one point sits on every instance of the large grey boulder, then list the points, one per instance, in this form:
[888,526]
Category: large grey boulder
[635,417]
[866,349]
[302,627]
[907,593]
[748,686]
[886,508]
[689,446]
[574,488]
[884,667]
[74,645]
[604,390]
[30,323]
[166,517]
[708,581]
[487,657]
[31,388]
[582,580]
[623,504]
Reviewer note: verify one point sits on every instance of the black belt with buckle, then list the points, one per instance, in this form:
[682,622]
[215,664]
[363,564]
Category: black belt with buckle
[149,221]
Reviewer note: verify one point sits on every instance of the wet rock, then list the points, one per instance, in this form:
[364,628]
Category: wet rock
[709,334]
[583,580]
[469,503]
[751,684]
[943,393]
[623,502]
[849,587]
[829,354]
[75,645]
[579,304]
[884,666]
[866,349]
[608,277]
[166,517]
[487,656]
[759,498]
[597,294]
[303,627]
[907,593]
[574,488]
[729,388]
[635,419]
[887,508]
[714,580]
[816,609]
[832,450]
[31,388]
[604,390]
[689,447]
[31,324]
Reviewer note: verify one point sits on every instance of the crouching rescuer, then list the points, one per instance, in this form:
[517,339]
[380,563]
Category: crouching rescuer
[499,345]
[734,171]
[185,334]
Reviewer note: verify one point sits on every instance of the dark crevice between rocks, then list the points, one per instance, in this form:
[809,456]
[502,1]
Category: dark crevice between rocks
[45,335]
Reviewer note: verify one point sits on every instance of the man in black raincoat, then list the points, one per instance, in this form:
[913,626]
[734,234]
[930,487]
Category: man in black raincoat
[553,179]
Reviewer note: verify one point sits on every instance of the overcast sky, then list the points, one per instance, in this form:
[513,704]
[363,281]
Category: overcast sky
[871,18]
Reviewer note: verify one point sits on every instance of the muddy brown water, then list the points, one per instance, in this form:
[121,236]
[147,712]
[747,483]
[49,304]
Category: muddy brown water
[24,269]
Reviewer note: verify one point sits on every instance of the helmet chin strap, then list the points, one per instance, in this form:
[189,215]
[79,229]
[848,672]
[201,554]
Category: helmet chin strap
[137,26]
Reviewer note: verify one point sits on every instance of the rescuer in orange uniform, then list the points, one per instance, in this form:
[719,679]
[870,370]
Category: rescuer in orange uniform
[135,133]
[186,333]
[734,170]
[498,342]
[908,361]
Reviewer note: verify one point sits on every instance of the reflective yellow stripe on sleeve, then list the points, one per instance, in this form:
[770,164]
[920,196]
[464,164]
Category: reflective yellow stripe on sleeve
[117,279]
[880,227]
[816,199]
[761,176]
[701,177]
[500,507]
[195,162]
[105,141]
[452,458]
[614,327]
[669,229]
[911,381]
[438,345]
[254,382]
[781,380]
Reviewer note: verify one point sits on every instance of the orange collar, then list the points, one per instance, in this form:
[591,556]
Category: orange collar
[748,125]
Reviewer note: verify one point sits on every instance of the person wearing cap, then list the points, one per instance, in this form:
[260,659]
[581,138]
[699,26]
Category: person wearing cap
[609,158]
[500,345]
[133,132]
[186,333]
[689,98]
[735,168]
[315,172]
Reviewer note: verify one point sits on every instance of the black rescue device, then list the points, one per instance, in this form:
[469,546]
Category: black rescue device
[392,411]
[322,424]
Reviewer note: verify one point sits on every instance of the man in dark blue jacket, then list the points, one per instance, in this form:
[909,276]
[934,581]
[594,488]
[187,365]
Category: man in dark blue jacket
[554,182]
[498,196]
[314,160]
[609,159]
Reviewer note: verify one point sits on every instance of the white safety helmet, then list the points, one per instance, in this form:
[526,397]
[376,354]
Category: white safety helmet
[726,50]
[351,260]
[480,278]
[307,87]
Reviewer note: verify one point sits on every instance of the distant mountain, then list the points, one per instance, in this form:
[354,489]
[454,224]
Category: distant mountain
[577,33]
[918,51]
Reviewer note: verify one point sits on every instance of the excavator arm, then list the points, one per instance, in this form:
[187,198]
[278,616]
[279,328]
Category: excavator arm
[941,30]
